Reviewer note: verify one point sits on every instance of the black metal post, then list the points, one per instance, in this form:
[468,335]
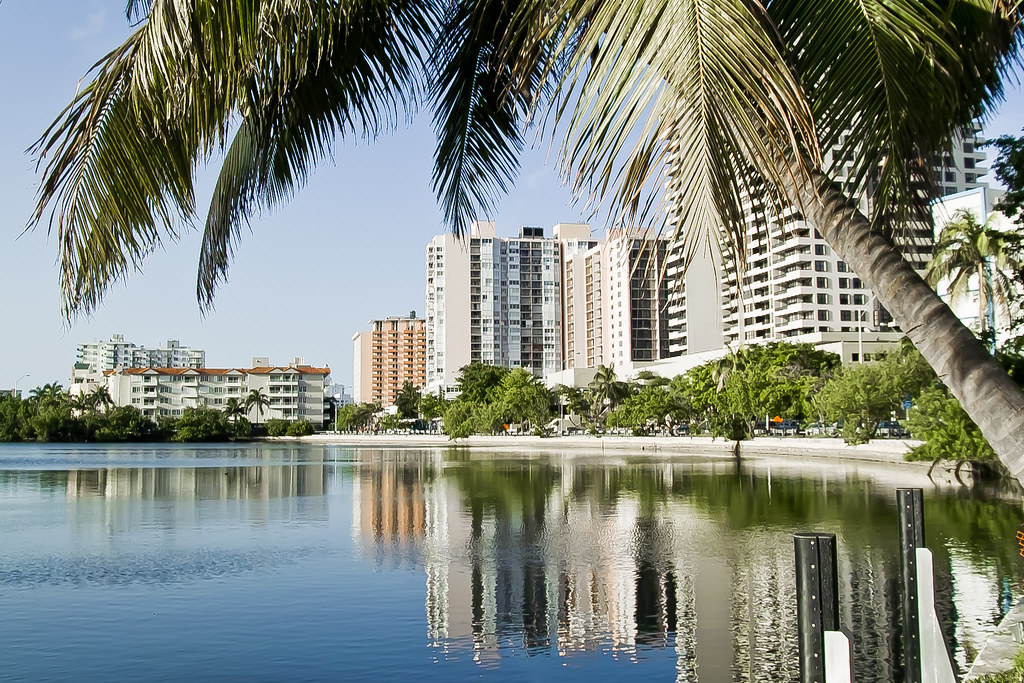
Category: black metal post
[910,504]
[817,600]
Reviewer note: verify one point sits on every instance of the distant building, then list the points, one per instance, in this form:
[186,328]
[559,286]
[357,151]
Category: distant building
[95,358]
[495,300]
[296,391]
[392,352]
[615,302]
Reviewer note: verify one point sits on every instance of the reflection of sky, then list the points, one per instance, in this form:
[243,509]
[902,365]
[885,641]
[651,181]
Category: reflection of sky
[330,563]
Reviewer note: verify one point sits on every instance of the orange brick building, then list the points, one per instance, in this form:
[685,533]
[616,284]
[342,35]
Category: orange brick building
[392,352]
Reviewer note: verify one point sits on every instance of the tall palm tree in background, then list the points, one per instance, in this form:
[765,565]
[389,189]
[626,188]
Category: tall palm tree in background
[606,391]
[671,113]
[101,398]
[968,251]
[258,400]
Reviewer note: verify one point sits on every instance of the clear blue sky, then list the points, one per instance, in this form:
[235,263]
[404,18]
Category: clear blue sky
[349,247]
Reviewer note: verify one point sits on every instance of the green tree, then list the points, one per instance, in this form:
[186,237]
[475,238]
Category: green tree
[970,251]
[277,427]
[606,391]
[49,393]
[1009,170]
[948,433]
[300,428]
[408,401]
[234,409]
[522,398]
[258,401]
[431,406]
[201,424]
[701,102]
[478,383]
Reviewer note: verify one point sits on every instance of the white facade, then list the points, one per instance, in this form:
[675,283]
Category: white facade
[978,201]
[793,283]
[295,391]
[494,300]
[107,355]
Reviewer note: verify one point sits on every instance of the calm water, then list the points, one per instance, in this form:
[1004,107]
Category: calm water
[330,563]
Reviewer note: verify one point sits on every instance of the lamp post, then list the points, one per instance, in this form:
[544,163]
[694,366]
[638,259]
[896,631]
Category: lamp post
[16,384]
[861,318]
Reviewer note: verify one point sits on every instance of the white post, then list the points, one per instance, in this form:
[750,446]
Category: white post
[936,666]
[838,667]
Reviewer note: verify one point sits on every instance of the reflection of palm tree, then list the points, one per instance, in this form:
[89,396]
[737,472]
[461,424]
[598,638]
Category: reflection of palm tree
[966,250]
[258,400]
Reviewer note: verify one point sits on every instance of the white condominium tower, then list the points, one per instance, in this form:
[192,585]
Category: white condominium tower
[793,283]
[495,300]
[107,355]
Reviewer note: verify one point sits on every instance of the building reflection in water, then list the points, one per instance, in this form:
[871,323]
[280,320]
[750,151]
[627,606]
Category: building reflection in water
[572,559]
[293,490]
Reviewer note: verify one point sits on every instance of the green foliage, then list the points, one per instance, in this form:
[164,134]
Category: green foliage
[241,428]
[258,401]
[126,423]
[201,424]
[947,431]
[477,382]
[300,428]
[277,427]
[521,398]
[408,401]
[458,420]
[1009,169]
[864,394]
[431,406]
[354,417]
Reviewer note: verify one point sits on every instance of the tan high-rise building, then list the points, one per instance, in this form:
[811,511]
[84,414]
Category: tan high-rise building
[392,352]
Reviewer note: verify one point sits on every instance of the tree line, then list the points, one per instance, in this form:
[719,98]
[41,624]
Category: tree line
[50,413]
[735,397]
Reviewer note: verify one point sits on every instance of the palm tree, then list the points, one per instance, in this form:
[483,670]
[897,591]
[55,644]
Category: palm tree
[605,390]
[49,393]
[101,397]
[258,400]
[234,409]
[968,251]
[674,113]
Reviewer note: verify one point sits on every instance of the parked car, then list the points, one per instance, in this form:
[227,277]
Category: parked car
[784,428]
[891,429]
[819,429]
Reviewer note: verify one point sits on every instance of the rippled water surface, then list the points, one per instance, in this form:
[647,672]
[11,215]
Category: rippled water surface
[330,563]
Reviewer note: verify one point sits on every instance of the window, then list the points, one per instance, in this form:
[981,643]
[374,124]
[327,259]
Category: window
[950,177]
[855,283]
[855,357]
[822,282]
[844,283]
[823,299]
[824,315]
[844,299]
[846,316]
[841,267]
[820,249]
[859,299]
[821,266]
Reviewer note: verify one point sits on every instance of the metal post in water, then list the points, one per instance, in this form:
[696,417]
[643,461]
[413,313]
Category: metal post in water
[910,505]
[817,600]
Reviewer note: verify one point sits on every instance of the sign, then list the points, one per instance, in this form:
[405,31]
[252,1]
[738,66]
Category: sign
[906,405]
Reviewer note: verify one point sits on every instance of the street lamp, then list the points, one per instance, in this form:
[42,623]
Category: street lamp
[861,318]
[18,380]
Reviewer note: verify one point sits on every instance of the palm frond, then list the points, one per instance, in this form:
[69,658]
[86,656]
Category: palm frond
[685,108]
[488,76]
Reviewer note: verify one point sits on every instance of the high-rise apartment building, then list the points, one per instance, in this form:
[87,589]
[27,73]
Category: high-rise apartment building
[615,302]
[793,283]
[495,300]
[392,352]
[107,355]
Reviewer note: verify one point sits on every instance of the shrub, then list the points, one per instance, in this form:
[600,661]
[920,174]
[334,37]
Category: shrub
[242,428]
[277,427]
[202,424]
[300,428]
[948,433]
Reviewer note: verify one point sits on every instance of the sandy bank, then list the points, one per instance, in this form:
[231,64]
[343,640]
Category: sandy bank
[880,450]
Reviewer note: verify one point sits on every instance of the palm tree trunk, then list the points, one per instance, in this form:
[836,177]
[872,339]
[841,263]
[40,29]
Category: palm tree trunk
[960,360]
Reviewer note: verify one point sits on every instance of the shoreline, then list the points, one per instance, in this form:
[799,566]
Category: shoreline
[888,451]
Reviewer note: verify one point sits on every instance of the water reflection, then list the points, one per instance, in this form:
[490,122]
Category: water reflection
[567,558]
